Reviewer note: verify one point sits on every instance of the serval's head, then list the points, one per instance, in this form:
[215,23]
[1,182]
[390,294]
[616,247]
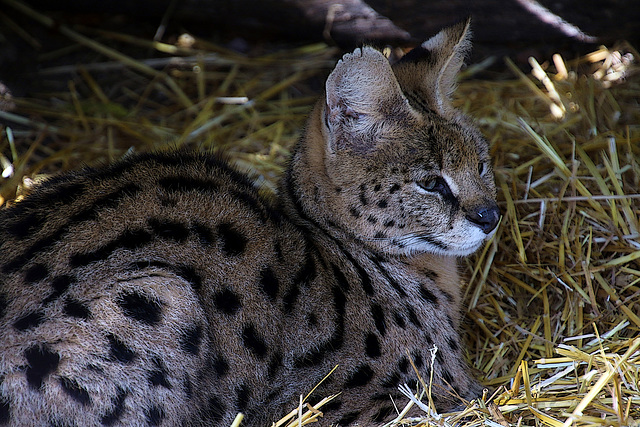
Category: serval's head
[388,160]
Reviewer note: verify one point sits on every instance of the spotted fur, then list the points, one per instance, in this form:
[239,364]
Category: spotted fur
[166,290]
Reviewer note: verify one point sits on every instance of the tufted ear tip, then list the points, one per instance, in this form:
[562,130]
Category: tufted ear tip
[362,93]
[456,38]
[431,69]
[453,40]
[361,65]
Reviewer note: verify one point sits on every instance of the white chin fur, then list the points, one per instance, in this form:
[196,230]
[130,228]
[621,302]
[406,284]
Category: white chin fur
[473,238]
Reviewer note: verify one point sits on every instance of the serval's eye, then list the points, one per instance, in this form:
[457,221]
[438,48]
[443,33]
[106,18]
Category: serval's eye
[435,184]
[429,184]
[482,167]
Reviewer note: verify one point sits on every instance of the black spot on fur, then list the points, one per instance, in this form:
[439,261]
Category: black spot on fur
[451,322]
[220,366]
[340,302]
[75,391]
[403,365]
[389,223]
[384,397]
[360,377]
[29,320]
[168,229]
[378,318]
[130,239]
[5,410]
[3,305]
[255,205]
[290,297]
[75,308]
[452,344]
[397,317]
[312,320]
[379,235]
[372,345]
[20,261]
[377,261]
[341,279]
[382,204]
[336,341]
[227,301]
[22,221]
[118,351]
[154,415]
[48,241]
[140,307]
[233,242]
[307,273]
[417,359]
[312,358]
[187,386]
[365,279]
[432,241]
[430,274]
[277,247]
[35,273]
[42,362]
[61,193]
[348,418]
[254,342]
[60,284]
[114,415]
[191,339]
[269,283]
[274,365]
[215,410]
[413,318]
[448,296]
[203,233]
[427,295]
[363,196]
[168,201]
[94,368]
[158,376]
[24,224]
[189,274]
[427,338]
[382,414]
[391,380]
[372,219]
[275,393]
[394,188]
[354,212]
[109,201]
[447,377]
[332,405]
[242,397]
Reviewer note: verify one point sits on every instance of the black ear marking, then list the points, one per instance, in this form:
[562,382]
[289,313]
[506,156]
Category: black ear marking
[416,55]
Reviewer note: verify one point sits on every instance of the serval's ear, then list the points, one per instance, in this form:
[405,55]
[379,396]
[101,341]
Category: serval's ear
[363,98]
[428,73]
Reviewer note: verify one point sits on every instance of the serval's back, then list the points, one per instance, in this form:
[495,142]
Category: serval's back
[165,289]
